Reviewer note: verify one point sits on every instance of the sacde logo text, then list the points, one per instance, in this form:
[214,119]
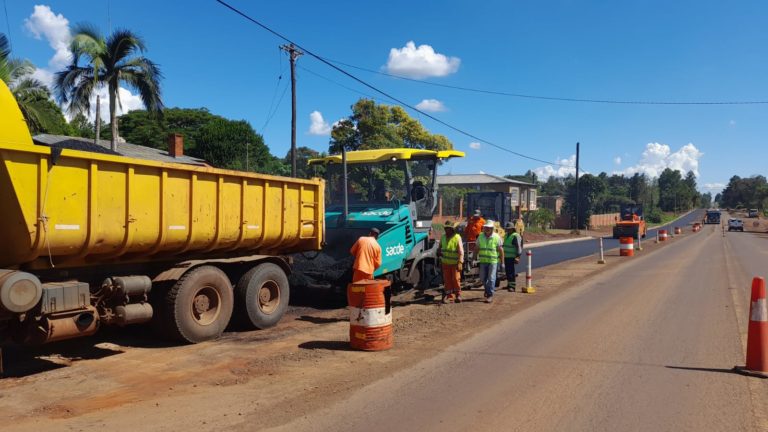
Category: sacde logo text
[397,249]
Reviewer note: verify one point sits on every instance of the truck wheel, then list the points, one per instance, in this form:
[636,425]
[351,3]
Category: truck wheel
[199,305]
[262,295]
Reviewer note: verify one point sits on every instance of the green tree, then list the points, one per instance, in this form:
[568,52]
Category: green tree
[373,126]
[143,128]
[32,96]
[81,127]
[542,218]
[669,189]
[108,62]
[552,187]
[235,145]
[590,189]
[303,155]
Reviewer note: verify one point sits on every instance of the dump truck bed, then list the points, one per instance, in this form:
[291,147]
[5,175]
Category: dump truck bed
[72,208]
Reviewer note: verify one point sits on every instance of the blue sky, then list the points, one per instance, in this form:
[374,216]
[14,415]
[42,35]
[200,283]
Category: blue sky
[629,50]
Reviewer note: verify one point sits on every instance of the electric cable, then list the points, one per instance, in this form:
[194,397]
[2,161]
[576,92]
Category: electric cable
[382,92]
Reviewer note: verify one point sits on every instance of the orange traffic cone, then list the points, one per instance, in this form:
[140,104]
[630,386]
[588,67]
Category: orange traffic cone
[757,334]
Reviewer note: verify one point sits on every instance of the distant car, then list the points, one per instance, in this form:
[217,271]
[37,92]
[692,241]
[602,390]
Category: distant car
[735,225]
[752,213]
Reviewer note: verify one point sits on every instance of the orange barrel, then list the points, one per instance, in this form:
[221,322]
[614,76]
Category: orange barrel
[662,235]
[626,246]
[678,230]
[370,315]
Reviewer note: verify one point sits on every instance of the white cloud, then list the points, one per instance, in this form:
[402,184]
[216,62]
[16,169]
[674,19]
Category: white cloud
[657,157]
[474,145]
[564,168]
[431,105]
[421,62]
[44,76]
[617,160]
[714,185]
[318,126]
[43,23]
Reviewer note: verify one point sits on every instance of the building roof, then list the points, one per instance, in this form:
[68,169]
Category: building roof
[474,179]
[123,149]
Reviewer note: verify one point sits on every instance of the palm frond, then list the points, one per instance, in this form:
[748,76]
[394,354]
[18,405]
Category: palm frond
[5,47]
[65,81]
[144,76]
[87,41]
[122,44]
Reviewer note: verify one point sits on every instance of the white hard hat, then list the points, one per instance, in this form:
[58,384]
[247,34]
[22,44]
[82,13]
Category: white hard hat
[488,224]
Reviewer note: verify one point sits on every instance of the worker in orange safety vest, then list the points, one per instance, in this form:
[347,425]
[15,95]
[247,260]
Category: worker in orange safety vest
[367,253]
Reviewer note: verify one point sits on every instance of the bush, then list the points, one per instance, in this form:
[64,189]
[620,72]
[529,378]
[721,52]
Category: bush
[541,218]
[653,216]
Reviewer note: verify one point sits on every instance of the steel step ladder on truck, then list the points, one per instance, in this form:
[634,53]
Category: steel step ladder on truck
[94,239]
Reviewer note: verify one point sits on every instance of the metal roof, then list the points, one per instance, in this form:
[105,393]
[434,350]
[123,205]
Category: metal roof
[381,155]
[123,149]
[471,179]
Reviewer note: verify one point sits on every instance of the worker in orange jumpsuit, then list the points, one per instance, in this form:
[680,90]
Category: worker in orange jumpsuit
[367,253]
[475,226]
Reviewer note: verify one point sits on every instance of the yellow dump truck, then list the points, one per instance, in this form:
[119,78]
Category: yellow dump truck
[92,239]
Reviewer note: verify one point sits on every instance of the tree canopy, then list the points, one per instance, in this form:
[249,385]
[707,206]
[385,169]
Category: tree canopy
[749,192]
[376,126]
[235,145]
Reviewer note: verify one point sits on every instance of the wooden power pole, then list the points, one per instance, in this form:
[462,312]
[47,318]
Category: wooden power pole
[293,54]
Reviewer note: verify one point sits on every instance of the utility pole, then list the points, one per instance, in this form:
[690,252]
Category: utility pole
[577,187]
[293,54]
[98,118]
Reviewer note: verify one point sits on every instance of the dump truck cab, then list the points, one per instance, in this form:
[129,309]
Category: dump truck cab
[631,222]
[394,190]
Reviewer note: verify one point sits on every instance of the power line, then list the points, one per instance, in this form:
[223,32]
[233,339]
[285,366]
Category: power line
[8,24]
[377,90]
[280,101]
[337,83]
[550,98]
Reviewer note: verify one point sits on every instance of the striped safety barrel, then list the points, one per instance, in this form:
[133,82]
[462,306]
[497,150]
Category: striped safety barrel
[370,315]
[663,235]
[678,230]
[626,246]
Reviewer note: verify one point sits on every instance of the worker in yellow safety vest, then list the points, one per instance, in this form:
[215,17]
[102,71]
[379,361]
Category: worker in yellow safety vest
[451,253]
[513,247]
[491,254]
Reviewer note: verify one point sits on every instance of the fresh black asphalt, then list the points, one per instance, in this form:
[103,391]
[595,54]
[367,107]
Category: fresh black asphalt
[553,254]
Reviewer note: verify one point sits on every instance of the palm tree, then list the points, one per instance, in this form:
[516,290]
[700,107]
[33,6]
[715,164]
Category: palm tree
[31,94]
[108,62]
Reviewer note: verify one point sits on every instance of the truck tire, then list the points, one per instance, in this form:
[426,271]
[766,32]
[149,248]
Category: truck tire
[199,305]
[262,295]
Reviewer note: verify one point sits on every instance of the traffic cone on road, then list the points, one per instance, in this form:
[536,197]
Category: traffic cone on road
[757,333]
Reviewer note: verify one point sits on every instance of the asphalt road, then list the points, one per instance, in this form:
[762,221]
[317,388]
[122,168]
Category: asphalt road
[553,254]
[647,345]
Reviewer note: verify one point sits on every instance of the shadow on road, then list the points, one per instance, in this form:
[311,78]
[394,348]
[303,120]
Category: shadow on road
[327,345]
[698,369]
[319,320]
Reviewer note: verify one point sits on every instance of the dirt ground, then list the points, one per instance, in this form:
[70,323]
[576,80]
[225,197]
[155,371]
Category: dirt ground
[124,379]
